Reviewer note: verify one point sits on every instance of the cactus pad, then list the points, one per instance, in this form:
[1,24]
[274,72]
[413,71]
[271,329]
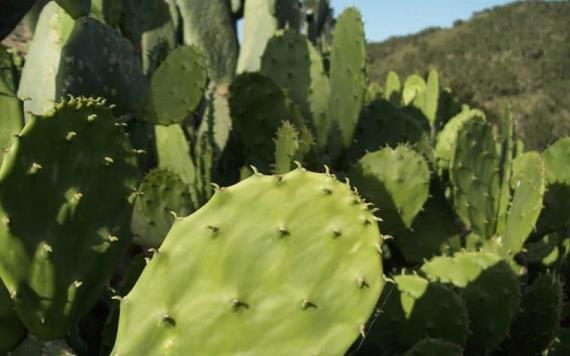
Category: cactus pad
[392,91]
[71,174]
[445,143]
[292,62]
[474,174]
[176,87]
[347,75]
[244,275]
[433,232]
[258,107]
[80,58]
[528,183]
[161,197]
[286,148]
[534,327]
[396,181]
[416,308]
[490,290]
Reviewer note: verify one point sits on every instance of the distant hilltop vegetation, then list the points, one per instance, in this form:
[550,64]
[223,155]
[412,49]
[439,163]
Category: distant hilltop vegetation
[519,52]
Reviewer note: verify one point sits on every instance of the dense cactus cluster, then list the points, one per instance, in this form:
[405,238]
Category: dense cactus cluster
[159,194]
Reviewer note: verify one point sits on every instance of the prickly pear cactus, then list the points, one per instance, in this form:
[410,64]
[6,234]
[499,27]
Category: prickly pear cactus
[43,60]
[271,279]
[347,76]
[258,107]
[534,327]
[209,26]
[416,308]
[176,88]
[431,97]
[446,138]
[414,90]
[173,153]
[11,115]
[474,175]
[557,198]
[435,347]
[432,233]
[292,62]
[393,88]
[383,124]
[80,58]
[71,172]
[151,26]
[506,150]
[259,25]
[490,290]
[528,184]
[11,329]
[396,181]
[162,196]
[561,346]
[287,148]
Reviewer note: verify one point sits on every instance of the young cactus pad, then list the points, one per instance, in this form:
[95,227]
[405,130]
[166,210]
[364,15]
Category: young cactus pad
[176,88]
[64,213]
[162,196]
[274,265]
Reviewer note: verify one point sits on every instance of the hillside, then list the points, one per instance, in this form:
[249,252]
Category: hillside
[519,52]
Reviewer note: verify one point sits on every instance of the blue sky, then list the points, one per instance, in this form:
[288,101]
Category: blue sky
[386,18]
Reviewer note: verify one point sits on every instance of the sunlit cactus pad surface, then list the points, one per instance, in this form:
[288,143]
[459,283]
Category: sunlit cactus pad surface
[274,265]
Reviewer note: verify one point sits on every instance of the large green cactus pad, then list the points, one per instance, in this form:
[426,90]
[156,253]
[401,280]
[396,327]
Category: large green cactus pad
[534,327]
[417,308]
[176,87]
[347,75]
[474,174]
[396,181]
[490,290]
[64,197]
[162,196]
[80,58]
[274,265]
[528,183]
